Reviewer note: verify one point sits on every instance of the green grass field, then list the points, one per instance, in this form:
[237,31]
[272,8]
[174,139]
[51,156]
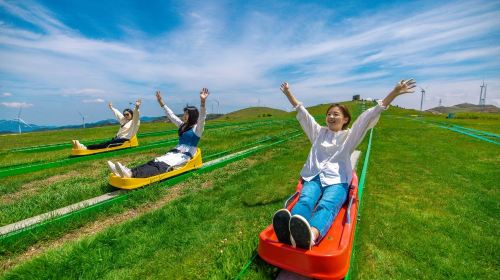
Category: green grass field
[430,206]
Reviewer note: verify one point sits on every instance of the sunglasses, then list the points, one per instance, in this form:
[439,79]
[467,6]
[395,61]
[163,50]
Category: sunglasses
[127,114]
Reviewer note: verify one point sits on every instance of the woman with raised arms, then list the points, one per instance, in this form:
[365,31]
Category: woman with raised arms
[190,130]
[327,171]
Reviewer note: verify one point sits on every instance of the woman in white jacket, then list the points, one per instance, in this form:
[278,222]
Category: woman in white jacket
[129,125]
[327,171]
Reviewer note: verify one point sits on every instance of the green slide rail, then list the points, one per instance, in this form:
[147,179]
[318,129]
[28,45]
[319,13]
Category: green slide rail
[59,146]
[12,236]
[361,186]
[28,168]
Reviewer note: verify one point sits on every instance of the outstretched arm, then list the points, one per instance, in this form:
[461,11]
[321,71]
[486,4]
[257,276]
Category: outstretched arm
[160,99]
[307,122]
[136,115]
[170,115]
[203,97]
[288,93]
[118,114]
[369,118]
[200,125]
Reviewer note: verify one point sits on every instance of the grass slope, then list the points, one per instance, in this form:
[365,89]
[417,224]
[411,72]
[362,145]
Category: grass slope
[255,113]
[430,207]
[207,233]
[430,210]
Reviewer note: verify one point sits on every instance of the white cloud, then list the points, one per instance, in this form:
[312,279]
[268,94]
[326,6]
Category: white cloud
[90,91]
[93,92]
[6,94]
[35,14]
[248,60]
[97,100]
[16,104]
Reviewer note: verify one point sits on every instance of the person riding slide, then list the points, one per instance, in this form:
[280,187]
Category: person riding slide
[327,172]
[129,125]
[190,130]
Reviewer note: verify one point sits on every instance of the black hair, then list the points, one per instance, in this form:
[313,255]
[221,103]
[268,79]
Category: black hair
[131,114]
[130,111]
[193,115]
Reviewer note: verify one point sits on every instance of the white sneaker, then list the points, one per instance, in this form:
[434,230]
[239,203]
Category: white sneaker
[80,145]
[123,170]
[118,169]
[112,166]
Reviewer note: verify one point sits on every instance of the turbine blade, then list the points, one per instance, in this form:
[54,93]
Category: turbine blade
[21,120]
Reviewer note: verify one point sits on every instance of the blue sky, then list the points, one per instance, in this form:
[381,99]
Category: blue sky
[61,57]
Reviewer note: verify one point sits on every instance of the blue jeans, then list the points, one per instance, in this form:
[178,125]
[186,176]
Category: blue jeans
[329,200]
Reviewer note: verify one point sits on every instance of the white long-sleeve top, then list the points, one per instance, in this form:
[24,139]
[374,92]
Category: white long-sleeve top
[197,128]
[330,154]
[127,128]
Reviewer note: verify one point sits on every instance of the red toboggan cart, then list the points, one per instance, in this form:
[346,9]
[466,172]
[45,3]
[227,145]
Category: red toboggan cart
[328,260]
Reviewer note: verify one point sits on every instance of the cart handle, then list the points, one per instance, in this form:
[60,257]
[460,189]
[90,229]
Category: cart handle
[290,199]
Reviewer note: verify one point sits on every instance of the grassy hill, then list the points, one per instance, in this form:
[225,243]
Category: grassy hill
[254,113]
[430,205]
[466,108]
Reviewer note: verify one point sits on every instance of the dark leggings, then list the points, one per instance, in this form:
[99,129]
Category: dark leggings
[108,144]
[149,169]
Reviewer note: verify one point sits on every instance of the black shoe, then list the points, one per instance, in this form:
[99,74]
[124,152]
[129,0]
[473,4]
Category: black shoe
[281,221]
[301,232]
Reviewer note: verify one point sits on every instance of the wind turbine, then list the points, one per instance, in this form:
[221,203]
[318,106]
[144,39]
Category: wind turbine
[83,118]
[218,105]
[216,101]
[422,98]
[482,94]
[19,120]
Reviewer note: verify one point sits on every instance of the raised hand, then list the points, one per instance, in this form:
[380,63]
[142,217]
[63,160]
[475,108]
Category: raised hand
[138,103]
[159,98]
[405,86]
[204,94]
[285,88]
[110,105]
